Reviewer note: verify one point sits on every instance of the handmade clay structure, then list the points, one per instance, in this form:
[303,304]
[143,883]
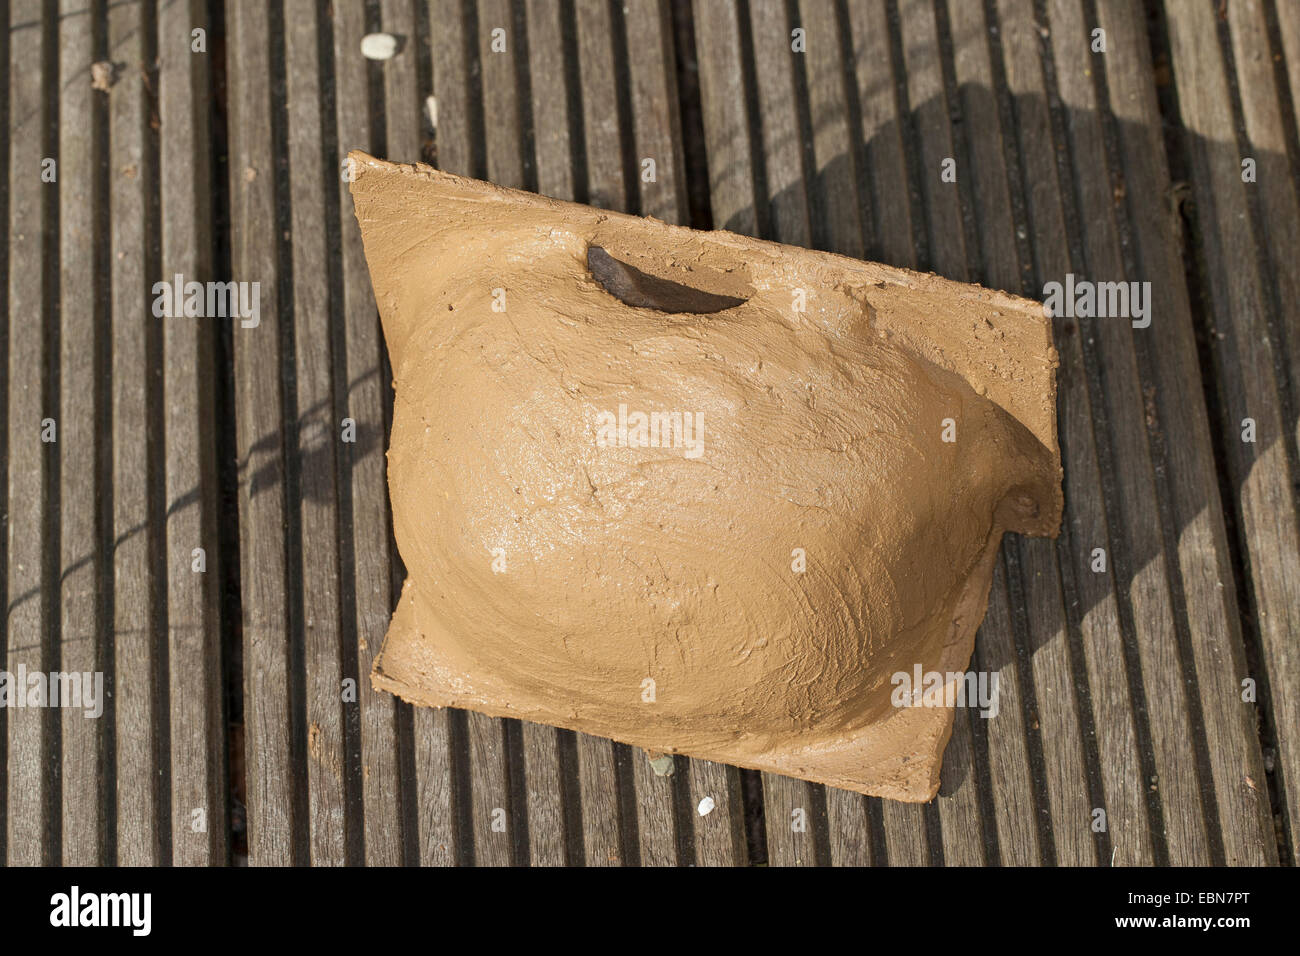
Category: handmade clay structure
[693,491]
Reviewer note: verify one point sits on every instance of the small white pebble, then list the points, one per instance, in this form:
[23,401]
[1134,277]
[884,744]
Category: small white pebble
[706,806]
[378,46]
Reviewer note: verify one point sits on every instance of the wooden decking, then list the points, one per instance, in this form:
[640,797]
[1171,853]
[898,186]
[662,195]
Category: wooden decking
[240,723]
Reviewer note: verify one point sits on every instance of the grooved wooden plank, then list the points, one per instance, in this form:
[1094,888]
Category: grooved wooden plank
[836,223]
[790,821]
[451,85]
[655,122]
[1036,559]
[606,186]
[929,118]
[30,827]
[199,812]
[1142,564]
[363,397]
[1186,466]
[440,838]
[725,111]
[1146,593]
[500,57]
[1289,33]
[318,435]
[1244,352]
[268,719]
[1008,777]
[550,100]
[5,264]
[786,215]
[139,840]
[490,796]
[890,234]
[987,142]
[81,636]
[1101,635]
[598,785]
[849,828]
[1011,777]
[719,833]
[1279,225]
[655,812]
[544,789]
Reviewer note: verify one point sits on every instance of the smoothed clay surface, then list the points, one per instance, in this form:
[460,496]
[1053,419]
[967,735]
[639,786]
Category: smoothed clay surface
[561,574]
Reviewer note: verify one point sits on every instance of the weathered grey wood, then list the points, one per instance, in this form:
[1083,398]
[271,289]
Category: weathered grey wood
[490,794]
[1174,395]
[720,833]
[362,390]
[606,185]
[1137,545]
[849,828]
[134,389]
[450,84]
[655,812]
[1111,707]
[786,216]
[270,762]
[598,785]
[199,811]
[724,106]
[890,231]
[1016,804]
[655,121]
[544,789]
[29,823]
[1278,230]
[318,436]
[81,638]
[1288,28]
[1035,560]
[832,177]
[550,101]
[500,106]
[1244,358]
